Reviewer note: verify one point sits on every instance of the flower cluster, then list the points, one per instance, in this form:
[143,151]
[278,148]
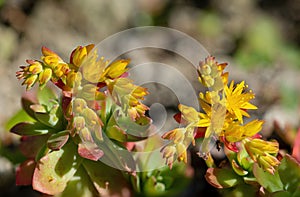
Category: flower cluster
[224,108]
[97,102]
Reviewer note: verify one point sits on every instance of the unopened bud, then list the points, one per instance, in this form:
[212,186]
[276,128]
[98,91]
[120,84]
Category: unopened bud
[45,76]
[30,81]
[35,68]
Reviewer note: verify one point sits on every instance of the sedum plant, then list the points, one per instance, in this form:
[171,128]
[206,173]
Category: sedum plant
[253,165]
[93,116]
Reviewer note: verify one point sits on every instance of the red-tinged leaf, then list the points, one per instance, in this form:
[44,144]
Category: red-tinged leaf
[129,145]
[179,119]
[90,151]
[54,170]
[24,172]
[271,182]
[289,171]
[199,132]
[296,148]
[27,100]
[58,140]
[30,129]
[31,145]
[66,100]
[20,116]
[222,178]
[108,181]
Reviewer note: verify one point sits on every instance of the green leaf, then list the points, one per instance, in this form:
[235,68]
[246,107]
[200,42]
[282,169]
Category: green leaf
[270,182]
[53,118]
[47,119]
[55,169]
[45,95]
[107,180]
[58,140]
[241,190]
[289,171]
[222,178]
[282,194]
[30,129]
[114,132]
[80,185]
[26,101]
[136,129]
[20,116]
[238,169]
[153,188]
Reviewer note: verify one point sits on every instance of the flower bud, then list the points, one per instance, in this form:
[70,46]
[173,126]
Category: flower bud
[181,152]
[169,151]
[177,135]
[78,105]
[35,68]
[116,69]
[45,76]
[79,123]
[30,81]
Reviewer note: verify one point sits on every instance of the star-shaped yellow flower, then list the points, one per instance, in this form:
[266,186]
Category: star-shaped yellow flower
[237,101]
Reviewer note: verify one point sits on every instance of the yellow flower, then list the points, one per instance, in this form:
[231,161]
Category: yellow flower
[79,54]
[181,152]
[263,152]
[116,69]
[92,68]
[235,132]
[50,58]
[30,81]
[35,67]
[45,76]
[127,95]
[188,113]
[176,135]
[237,101]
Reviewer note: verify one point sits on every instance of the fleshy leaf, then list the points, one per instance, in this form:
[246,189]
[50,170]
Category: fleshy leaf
[282,194]
[289,171]
[30,129]
[116,133]
[45,95]
[89,151]
[30,146]
[104,180]
[296,148]
[222,178]
[55,169]
[80,184]
[26,101]
[138,130]
[58,140]
[52,118]
[270,182]
[20,116]
[24,172]
[238,169]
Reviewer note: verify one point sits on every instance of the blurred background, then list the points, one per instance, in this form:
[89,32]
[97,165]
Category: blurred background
[259,38]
